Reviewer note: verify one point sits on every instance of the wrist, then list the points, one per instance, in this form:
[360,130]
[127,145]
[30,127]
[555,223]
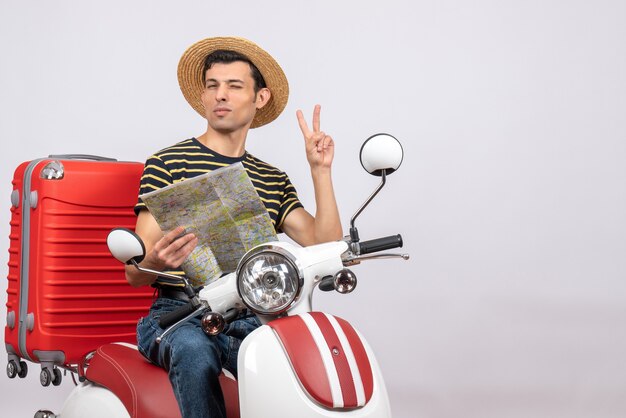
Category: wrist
[320,172]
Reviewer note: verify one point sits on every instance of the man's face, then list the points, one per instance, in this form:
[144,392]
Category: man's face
[229,100]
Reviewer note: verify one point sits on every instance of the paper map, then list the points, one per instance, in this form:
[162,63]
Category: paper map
[223,210]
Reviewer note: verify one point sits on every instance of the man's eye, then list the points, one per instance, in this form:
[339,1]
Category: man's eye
[211,86]
[235,86]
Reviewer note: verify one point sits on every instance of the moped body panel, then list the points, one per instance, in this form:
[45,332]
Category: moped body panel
[93,401]
[328,358]
[269,383]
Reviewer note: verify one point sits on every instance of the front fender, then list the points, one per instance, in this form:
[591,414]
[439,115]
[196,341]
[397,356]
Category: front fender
[310,365]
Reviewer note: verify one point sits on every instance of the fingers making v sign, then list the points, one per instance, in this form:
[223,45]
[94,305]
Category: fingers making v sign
[320,147]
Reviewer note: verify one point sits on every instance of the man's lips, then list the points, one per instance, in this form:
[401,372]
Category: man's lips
[221,111]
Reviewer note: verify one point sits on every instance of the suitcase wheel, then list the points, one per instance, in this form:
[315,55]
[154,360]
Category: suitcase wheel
[16,369]
[11,369]
[58,377]
[23,371]
[47,376]
[50,375]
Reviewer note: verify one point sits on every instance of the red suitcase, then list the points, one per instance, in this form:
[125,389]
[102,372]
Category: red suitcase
[66,294]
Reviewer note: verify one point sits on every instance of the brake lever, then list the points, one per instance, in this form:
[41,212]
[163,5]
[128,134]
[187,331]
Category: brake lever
[352,260]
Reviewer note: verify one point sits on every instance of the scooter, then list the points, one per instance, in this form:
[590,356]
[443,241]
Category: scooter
[298,363]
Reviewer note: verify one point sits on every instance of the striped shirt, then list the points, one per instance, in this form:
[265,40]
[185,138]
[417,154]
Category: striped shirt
[190,158]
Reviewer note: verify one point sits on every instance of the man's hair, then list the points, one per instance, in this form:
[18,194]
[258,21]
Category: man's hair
[222,56]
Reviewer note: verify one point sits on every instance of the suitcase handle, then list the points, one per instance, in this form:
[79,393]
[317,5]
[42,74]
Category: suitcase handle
[80,157]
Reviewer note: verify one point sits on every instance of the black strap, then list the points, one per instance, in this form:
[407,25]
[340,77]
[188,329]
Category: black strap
[171,292]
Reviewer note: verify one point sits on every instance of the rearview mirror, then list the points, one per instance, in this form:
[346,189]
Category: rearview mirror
[126,246]
[380,155]
[381,152]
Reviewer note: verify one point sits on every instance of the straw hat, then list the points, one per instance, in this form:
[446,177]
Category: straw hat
[191,79]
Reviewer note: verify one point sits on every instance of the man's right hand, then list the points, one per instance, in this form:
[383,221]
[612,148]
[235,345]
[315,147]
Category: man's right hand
[163,252]
[170,251]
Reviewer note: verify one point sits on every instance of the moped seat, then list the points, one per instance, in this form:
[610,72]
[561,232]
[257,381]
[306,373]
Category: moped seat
[144,388]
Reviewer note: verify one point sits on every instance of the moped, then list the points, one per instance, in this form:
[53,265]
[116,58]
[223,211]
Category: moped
[298,363]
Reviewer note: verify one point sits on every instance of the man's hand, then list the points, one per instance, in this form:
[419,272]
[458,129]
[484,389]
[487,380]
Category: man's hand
[163,252]
[320,147]
[170,251]
[299,225]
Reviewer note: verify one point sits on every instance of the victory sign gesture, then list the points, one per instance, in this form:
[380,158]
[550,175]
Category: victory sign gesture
[320,147]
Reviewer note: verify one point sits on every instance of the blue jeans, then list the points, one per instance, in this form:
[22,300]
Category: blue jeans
[193,359]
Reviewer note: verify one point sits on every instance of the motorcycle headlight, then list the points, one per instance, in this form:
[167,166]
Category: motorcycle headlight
[268,280]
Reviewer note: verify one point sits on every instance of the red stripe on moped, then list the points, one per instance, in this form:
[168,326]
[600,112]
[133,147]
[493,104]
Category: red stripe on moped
[339,358]
[304,357]
[325,363]
[360,355]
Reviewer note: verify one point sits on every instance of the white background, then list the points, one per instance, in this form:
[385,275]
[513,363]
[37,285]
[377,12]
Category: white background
[511,198]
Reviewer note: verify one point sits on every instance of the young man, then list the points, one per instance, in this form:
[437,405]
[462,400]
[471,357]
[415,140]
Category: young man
[236,86]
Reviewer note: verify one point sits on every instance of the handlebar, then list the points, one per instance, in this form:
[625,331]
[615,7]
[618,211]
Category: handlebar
[380,244]
[176,315]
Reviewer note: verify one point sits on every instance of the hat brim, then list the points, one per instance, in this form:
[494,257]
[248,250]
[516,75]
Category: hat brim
[191,79]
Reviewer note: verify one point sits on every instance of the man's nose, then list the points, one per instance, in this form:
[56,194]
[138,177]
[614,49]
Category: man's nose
[221,94]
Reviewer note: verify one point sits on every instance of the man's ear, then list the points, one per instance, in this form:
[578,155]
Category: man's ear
[263,96]
[202,100]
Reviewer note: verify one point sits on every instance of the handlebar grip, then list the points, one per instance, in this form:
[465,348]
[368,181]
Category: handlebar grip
[176,315]
[380,244]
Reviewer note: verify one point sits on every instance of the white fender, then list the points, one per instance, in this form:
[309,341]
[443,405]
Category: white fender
[268,386]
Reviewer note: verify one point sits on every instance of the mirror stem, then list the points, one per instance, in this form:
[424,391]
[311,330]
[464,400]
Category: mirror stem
[354,233]
[160,273]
